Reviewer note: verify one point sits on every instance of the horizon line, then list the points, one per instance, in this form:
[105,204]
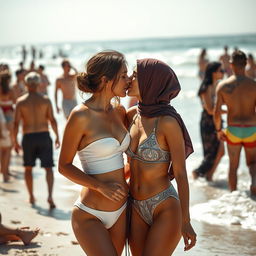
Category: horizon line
[130,39]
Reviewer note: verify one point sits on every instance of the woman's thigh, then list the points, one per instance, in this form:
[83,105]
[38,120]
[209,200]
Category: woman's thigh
[138,233]
[91,234]
[165,232]
[118,233]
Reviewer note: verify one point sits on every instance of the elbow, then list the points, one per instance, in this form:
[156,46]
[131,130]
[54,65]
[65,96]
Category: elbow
[62,167]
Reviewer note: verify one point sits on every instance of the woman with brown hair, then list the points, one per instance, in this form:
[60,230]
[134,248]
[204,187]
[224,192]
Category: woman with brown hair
[96,131]
[159,146]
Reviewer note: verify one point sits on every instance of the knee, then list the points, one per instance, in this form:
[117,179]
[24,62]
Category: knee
[251,163]
[28,169]
[221,152]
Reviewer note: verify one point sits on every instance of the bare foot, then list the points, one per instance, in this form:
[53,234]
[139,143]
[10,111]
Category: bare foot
[195,175]
[26,235]
[32,200]
[208,176]
[6,178]
[51,203]
[253,190]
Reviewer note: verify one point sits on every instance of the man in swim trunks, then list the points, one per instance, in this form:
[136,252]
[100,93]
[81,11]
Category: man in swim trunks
[238,92]
[35,112]
[66,83]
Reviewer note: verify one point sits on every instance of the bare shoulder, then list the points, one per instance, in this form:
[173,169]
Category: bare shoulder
[80,114]
[131,112]
[59,79]
[46,98]
[21,99]
[120,109]
[169,123]
[227,85]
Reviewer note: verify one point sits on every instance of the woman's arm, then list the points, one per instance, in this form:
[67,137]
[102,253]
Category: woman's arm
[175,141]
[208,101]
[74,132]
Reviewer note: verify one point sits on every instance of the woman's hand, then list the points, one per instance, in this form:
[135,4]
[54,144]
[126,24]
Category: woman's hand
[221,135]
[189,236]
[113,191]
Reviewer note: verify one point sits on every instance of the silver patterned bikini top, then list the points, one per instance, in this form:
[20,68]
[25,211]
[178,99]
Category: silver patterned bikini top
[149,150]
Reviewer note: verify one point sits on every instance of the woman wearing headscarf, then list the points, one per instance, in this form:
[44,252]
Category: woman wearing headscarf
[159,146]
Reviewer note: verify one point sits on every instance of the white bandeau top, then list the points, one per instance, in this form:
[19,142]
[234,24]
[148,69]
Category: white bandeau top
[104,155]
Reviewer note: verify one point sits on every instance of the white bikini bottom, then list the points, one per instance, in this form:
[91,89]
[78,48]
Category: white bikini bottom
[107,218]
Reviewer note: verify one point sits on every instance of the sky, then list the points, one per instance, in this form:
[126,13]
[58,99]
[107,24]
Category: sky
[37,21]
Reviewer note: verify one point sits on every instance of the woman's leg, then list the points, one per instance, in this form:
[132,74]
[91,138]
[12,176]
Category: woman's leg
[5,160]
[117,233]
[220,154]
[165,232]
[138,233]
[91,234]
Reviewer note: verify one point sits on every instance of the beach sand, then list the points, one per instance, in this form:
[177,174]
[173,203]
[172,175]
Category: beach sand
[56,236]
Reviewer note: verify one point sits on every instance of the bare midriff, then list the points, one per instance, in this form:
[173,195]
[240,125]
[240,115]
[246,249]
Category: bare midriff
[94,199]
[148,179]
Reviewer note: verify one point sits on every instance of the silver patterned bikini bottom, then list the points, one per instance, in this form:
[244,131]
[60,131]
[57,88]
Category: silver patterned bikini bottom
[145,208]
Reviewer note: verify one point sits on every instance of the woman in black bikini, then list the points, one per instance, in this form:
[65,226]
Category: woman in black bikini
[159,138]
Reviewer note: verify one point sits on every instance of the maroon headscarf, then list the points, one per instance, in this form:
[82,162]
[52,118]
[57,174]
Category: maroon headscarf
[158,85]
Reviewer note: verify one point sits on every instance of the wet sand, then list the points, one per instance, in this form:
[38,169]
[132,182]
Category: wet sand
[57,239]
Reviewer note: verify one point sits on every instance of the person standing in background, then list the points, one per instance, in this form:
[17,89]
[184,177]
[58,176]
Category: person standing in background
[213,149]
[224,60]
[238,93]
[202,63]
[250,69]
[24,53]
[67,85]
[5,148]
[42,88]
[19,87]
[35,112]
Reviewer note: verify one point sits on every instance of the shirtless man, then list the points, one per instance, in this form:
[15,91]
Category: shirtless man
[202,63]
[238,92]
[35,112]
[19,87]
[224,59]
[44,81]
[66,83]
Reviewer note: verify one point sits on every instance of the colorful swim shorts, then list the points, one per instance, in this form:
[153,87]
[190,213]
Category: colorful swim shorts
[241,135]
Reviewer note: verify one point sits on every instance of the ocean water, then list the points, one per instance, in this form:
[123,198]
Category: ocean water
[212,204]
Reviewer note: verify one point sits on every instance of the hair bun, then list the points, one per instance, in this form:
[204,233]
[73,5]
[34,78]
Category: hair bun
[83,82]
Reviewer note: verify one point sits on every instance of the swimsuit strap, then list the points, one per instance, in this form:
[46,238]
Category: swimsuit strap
[156,123]
[133,121]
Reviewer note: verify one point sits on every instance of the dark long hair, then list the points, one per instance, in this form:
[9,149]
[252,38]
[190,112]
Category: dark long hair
[5,83]
[208,80]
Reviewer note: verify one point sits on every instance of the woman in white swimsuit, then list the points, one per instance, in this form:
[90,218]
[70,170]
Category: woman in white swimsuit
[96,131]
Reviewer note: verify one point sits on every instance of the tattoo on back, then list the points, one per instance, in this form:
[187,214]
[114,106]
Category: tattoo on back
[229,88]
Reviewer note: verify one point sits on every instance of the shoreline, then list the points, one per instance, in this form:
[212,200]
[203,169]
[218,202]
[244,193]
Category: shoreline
[56,236]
